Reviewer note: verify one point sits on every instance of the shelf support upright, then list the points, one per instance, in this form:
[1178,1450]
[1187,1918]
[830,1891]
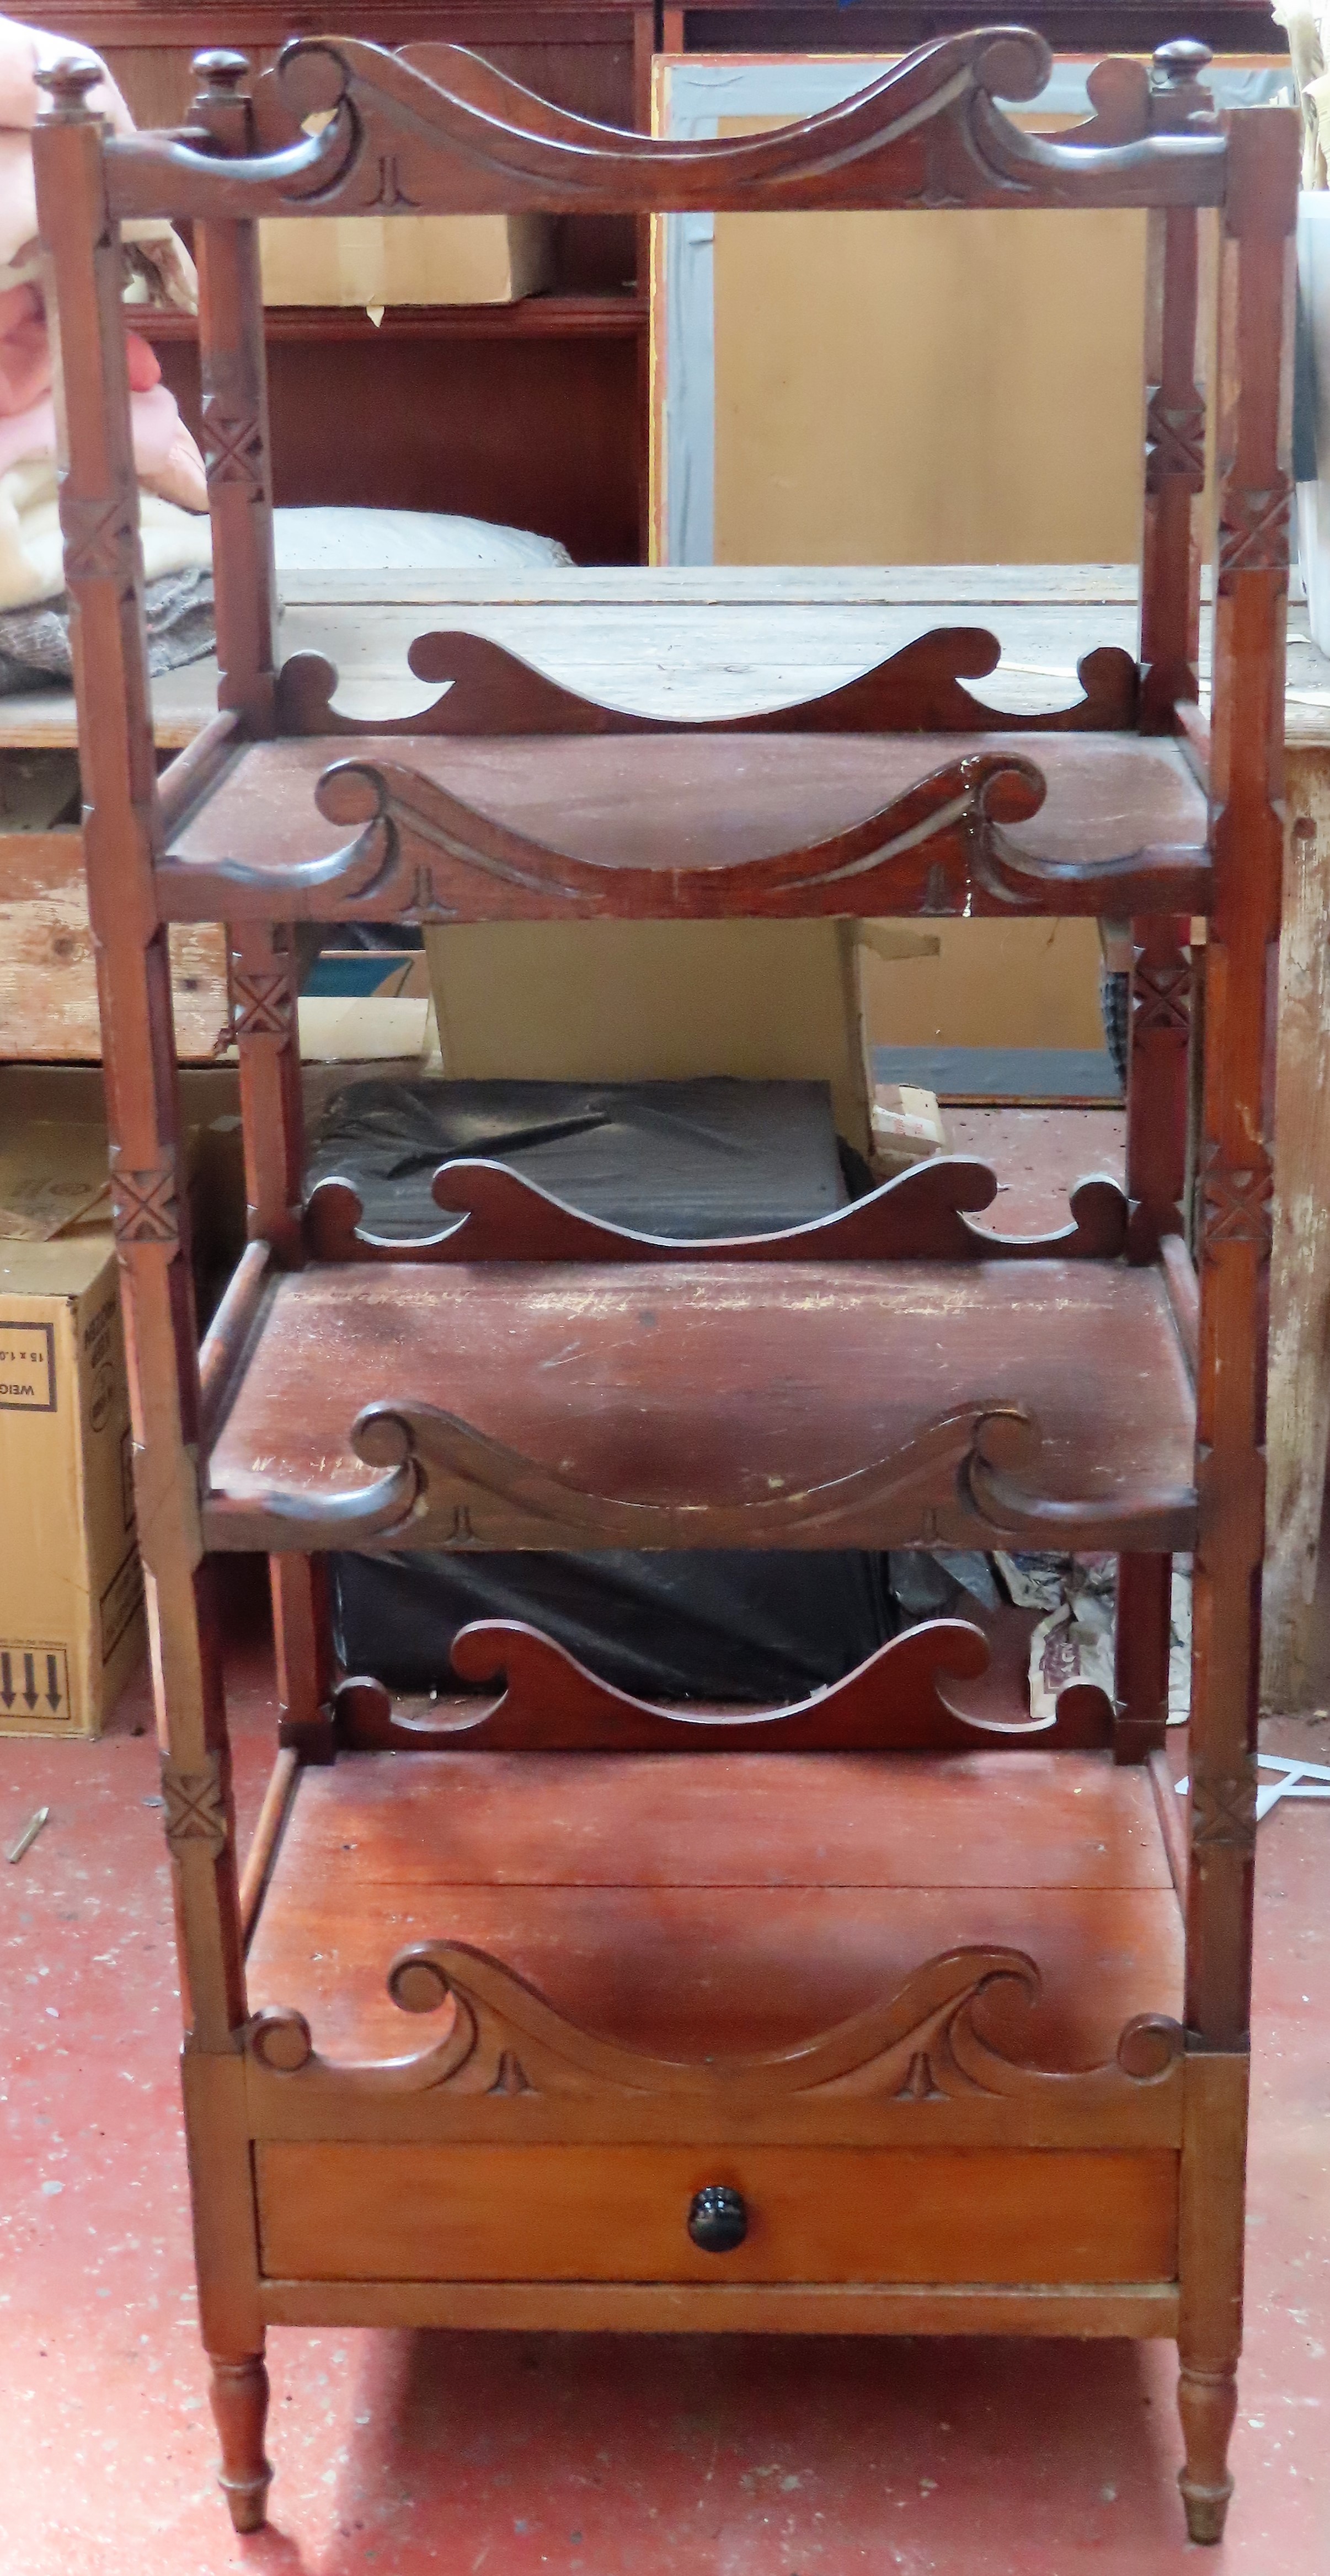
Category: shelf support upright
[1236,1184]
[1159,1019]
[121,837]
[263,956]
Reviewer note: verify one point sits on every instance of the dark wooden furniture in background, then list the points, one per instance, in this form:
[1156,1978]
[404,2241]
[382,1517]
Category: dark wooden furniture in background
[722,2035]
[533,414]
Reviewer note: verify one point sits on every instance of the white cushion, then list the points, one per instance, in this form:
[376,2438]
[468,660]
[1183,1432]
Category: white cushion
[327,540]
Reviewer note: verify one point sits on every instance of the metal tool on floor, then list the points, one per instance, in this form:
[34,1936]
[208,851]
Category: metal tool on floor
[31,1830]
[1297,1780]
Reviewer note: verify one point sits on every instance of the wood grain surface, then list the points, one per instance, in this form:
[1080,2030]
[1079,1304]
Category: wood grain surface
[618,2213]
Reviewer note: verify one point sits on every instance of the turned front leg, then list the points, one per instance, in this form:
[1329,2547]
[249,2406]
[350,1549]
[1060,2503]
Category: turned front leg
[1207,2404]
[239,2394]
[1210,2279]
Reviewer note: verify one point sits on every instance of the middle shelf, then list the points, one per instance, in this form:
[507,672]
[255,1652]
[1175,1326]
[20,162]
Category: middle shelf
[706,1403]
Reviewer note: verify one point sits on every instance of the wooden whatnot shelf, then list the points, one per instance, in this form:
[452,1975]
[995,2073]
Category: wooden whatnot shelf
[892,2011]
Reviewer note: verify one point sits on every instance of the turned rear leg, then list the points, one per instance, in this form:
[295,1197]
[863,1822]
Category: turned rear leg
[1207,2403]
[239,2395]
[1210,2280]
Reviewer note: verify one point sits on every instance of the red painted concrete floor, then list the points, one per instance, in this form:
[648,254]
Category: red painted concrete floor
[401,2454]
[1039,1155]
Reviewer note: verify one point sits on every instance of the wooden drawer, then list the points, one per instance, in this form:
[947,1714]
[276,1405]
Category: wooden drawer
[481,2213]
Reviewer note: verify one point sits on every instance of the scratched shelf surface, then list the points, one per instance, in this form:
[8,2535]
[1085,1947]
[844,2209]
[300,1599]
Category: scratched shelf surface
[709,1404]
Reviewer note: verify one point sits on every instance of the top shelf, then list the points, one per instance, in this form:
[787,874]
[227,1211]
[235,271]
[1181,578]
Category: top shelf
[690,825]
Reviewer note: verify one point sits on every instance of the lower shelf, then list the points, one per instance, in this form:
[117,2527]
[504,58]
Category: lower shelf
[674,1918]
[692,1904]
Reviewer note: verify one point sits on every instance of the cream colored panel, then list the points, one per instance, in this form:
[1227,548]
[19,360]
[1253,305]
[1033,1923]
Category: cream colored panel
[929,388]
[624,1001]
[991,984]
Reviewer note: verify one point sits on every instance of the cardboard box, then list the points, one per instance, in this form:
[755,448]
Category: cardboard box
[71,1587]
[379,260]
[907,1128]
[654,1001]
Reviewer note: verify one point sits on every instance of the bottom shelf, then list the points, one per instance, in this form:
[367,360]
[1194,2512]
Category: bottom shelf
[932,1960]
[695,1904]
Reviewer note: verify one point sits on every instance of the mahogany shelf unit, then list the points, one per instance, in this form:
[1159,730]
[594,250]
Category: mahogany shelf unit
[387,418]
[891,2010]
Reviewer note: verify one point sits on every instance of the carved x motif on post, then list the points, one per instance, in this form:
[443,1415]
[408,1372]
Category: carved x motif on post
[1174,441]
[99,537]
[195,1807]
[144,1206]
[1254,530]
[1161,997]
[1223,1809]
[1238,1200]
[233,444]
[260,1004]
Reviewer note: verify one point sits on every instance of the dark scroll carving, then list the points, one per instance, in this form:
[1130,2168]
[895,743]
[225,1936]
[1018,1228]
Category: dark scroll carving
[998,1471]
[921,1215]
[464,138]
[916,690]
[943,845]
[922,2045]
[448,1484]
[949,1685]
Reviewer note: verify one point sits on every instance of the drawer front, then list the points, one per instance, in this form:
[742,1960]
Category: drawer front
[620,2213]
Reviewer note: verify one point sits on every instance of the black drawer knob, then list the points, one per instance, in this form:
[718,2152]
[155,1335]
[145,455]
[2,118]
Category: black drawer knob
[717,2219]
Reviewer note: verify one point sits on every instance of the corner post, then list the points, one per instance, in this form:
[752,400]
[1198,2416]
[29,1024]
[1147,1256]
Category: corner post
[234,375]
[1236,1183]
[1161,976]
[121,840]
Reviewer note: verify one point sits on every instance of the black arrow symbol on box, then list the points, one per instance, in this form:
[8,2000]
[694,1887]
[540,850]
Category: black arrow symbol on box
[53,1691]
[30,1683]
[6,1680]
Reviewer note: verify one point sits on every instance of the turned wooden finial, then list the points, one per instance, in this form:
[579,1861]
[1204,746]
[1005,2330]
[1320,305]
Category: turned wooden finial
[1177,86]
[67,84]
[222,72]
[221,106]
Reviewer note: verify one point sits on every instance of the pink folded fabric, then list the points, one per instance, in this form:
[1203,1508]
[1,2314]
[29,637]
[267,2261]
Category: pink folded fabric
[168,461]
[25,354]
[24,51]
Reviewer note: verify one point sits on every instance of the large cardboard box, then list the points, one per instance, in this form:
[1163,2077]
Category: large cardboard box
[405,259]
[71,1589]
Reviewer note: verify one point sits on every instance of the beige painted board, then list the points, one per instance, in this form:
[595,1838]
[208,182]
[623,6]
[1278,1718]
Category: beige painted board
[921,390]
[991,984]
[1298,1411]
[849,426]
[622,1001]
[406,259]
